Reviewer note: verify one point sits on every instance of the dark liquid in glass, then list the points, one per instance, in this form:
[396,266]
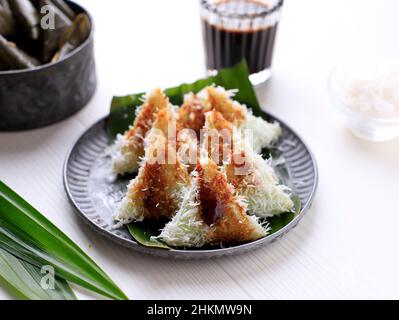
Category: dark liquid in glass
[225,47]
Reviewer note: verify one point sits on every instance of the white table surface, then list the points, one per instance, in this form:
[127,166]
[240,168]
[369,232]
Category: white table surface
[346,246]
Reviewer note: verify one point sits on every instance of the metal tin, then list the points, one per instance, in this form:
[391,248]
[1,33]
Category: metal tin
[51,92]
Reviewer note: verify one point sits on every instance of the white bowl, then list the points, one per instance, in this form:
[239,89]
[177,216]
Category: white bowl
[364,126]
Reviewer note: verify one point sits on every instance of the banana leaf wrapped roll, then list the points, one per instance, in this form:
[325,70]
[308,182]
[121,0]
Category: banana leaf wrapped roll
[74,36]
[60,4]
[65,8]
[28,16]
[7,21]
[13,58]
[52,36]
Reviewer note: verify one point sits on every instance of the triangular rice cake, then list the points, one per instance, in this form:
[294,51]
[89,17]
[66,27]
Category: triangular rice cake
[190,122]
[219,99]
[191,115]
[255,180]
[210,213]
[129,148]
[157,191]
[252,177]
[218,137]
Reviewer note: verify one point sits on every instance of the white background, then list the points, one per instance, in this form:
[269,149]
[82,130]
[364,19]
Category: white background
[346,247]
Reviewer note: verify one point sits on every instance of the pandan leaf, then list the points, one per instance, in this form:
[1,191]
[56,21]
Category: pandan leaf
[25,280]
[28,235]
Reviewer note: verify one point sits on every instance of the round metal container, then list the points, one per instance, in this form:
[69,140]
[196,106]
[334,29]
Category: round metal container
[49,93]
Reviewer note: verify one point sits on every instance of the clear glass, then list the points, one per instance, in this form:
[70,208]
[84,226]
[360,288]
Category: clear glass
[237,29]
[364,126]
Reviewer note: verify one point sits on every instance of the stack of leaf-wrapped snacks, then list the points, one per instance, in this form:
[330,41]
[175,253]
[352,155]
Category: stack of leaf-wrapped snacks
[36,32]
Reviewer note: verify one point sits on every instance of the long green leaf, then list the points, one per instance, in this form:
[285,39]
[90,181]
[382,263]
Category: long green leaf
[25,279]
[122,116]
[28,235]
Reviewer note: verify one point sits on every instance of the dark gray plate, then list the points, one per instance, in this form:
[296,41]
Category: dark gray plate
[95,192]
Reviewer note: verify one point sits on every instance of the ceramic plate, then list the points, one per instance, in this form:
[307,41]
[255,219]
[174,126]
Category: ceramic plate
[95,192]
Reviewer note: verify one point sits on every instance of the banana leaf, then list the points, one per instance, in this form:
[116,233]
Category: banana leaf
[122,108]
[29,236]
[143,234]
[7,21]
[61,5]
[277,223]
[65,8]
[25,280]
[28,16]
[122,116]
[52,37]
[13,58]
[74,36]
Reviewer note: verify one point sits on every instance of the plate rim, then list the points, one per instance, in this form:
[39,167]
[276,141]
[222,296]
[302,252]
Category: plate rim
[132,244]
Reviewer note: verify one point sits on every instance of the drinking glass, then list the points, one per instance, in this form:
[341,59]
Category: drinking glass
[237,29]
